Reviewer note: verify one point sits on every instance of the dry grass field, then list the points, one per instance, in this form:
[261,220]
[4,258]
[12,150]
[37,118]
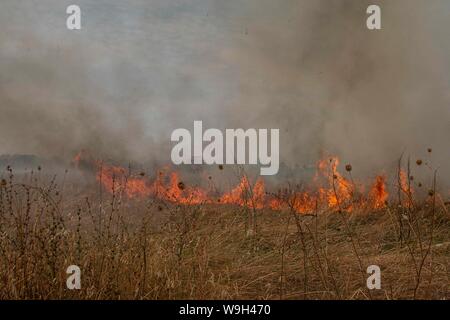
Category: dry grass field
[153,248]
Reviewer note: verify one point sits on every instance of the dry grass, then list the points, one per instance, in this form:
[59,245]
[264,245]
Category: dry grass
[130,249]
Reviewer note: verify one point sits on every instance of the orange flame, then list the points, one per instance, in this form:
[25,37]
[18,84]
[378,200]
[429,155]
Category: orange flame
[116,179]
[245,195]
[378,193]
[406,187]
[333,191]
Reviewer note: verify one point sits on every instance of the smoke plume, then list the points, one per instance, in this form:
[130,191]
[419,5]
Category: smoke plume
[138,70]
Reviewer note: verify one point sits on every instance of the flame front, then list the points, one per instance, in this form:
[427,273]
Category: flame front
[333,191]
[378,193]
[246,195]
[116,179]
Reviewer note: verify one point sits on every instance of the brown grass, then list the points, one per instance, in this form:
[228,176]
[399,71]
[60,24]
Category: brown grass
[147,249]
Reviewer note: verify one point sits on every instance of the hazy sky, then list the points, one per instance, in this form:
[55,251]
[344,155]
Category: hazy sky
[139,69]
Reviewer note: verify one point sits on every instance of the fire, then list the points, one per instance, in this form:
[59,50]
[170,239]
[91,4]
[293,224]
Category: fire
[116,179]
[338,192]
[405,186]
[342,190]
[83,160]
[378,193]
[246,195]
[178,192]
[403,181]
[332,190]
[304,202]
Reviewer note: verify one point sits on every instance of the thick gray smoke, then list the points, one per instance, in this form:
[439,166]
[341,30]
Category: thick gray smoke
[140,69]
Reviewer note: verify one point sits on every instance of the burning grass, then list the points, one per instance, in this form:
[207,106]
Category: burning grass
[329,188]
[139,238]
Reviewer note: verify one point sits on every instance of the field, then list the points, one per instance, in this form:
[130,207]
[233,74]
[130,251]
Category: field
[158,248]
